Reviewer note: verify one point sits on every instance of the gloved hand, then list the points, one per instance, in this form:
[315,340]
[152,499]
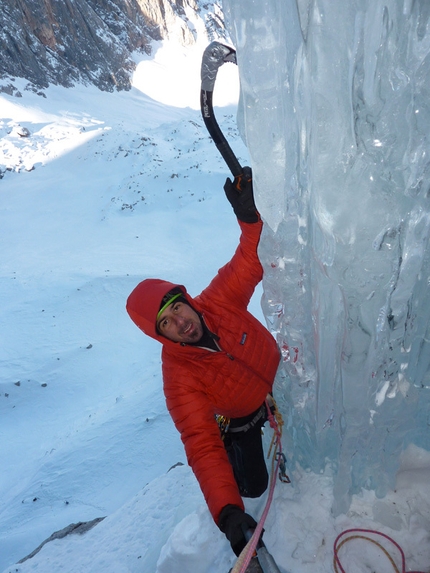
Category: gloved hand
[240,194]
[233,521]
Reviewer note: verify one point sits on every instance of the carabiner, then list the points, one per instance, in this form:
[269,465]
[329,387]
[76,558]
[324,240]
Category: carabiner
[282,467]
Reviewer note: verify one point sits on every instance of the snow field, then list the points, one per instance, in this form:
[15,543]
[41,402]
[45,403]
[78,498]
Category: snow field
[123,188]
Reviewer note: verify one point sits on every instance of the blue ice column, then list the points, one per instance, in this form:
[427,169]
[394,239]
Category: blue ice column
[335,112]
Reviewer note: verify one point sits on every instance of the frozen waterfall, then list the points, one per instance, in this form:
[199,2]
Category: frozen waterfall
[335,111]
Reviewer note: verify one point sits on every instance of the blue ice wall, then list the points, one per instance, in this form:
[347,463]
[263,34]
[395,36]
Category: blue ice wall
[335,112]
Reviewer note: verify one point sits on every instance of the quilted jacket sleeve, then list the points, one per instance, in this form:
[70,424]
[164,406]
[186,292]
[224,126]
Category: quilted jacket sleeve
[194,419]
[235,282]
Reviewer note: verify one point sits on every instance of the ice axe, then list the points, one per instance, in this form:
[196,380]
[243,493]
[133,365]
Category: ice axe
[265,559]
[214,56]
[262,562]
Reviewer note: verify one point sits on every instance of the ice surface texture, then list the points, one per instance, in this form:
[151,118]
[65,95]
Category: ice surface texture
[335,111]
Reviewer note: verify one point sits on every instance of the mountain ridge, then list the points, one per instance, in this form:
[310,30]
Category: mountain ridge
[65,42]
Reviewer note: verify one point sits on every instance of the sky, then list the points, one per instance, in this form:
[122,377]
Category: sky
[106,190]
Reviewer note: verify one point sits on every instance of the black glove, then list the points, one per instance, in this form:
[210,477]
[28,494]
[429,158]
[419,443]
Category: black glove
[240,194]
[233,521]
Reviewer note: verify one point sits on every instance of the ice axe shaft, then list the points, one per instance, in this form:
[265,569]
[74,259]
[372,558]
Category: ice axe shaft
[215,55]
[265,559]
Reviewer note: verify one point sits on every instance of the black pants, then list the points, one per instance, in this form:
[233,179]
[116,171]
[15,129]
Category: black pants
[245,452]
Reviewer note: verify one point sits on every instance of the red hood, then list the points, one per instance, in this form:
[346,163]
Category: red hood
[144,302]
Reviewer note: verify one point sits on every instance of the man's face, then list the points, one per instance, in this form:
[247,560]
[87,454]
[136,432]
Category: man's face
[180,323]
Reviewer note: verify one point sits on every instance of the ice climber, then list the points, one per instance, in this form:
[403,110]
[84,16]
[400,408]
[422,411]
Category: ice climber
[218,363]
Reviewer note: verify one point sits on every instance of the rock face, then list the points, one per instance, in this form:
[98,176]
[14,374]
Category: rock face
[72,529]
[91,41]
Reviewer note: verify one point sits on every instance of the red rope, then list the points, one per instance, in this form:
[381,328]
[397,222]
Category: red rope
[247,553]
[249,550]
[353,535]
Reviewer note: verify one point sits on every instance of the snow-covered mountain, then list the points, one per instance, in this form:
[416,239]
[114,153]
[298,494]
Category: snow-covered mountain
[99,191]
[107,189]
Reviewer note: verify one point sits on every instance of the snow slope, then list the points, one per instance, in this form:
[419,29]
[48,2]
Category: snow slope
[109,189]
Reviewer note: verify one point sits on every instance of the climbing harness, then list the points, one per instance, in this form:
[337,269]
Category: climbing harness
[225,426]
[250,424]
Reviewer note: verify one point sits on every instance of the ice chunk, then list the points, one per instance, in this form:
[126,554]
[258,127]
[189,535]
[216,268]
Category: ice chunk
[197,545]
[335,111]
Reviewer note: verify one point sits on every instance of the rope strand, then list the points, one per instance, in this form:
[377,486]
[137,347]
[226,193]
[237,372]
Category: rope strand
[353,534]
[276,423]
[277,465]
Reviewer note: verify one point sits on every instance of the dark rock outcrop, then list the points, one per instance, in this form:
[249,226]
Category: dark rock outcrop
[91,41]
[72,529]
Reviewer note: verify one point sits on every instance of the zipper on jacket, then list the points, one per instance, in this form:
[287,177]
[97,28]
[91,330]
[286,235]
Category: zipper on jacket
[214,338]
[230,356]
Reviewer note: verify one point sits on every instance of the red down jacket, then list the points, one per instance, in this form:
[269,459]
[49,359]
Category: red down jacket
[199,382]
